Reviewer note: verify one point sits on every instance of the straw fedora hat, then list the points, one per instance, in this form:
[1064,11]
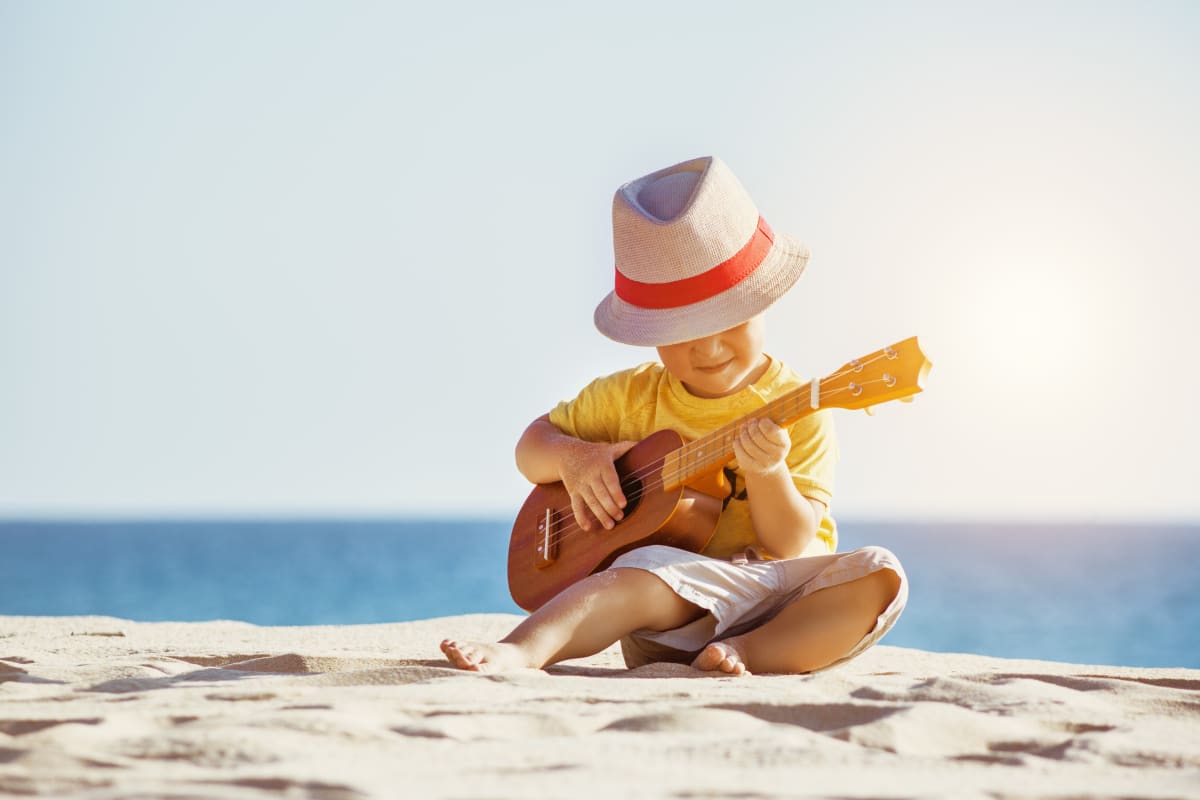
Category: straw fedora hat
[693,257]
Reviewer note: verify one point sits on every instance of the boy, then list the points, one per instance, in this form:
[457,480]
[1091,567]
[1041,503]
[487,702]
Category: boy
[696,268]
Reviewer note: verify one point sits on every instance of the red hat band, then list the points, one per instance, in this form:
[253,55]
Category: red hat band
[710,283]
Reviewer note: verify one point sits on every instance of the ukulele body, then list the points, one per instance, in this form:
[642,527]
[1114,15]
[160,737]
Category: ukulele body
[548,551]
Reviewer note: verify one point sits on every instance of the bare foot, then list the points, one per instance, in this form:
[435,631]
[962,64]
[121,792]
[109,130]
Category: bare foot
[722,656]
[481,657]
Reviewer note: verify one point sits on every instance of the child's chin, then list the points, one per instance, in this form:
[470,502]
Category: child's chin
[712,388]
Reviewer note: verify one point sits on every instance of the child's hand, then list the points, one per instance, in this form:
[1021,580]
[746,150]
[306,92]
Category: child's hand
[761,447]
[591,479]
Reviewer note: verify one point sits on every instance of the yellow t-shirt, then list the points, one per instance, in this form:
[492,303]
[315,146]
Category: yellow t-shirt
[634,403]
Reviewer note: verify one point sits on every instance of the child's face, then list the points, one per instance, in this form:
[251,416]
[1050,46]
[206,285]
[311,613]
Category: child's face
[721,364]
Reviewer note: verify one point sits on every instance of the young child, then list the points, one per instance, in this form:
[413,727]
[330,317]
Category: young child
[696,268]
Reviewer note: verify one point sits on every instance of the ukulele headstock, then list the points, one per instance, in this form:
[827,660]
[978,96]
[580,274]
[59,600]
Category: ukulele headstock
[894,372]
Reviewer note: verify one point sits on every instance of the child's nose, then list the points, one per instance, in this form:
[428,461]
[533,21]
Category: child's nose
[709,347]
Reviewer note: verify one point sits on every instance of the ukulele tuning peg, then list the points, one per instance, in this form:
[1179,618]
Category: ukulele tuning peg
[908,399]
[870,411]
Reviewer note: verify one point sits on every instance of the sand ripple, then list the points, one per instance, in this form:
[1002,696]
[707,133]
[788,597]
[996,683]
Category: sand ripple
[231,710]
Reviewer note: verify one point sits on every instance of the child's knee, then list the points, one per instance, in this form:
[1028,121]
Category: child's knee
[881,588]
[639,585]
[651,599]
[889,582]
[886,580]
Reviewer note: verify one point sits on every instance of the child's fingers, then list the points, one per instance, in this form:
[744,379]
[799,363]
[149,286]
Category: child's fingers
[594,486]
[752,444]
[749,459]
[603,504]
[612,484]
[612,480]
[741,445]
[770,434]
[745,457]
[760,445]
[582,515]
[593,508]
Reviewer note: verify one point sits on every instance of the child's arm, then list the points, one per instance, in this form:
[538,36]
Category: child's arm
[545,455]
[785,521]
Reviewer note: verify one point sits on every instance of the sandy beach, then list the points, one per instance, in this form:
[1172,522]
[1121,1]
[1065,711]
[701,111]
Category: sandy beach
[98,707]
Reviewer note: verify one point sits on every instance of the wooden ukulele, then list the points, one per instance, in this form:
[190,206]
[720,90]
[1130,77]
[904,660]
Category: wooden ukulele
[674,490]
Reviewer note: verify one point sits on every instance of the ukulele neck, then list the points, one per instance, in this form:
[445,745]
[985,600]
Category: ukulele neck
[894,372]
[710,453]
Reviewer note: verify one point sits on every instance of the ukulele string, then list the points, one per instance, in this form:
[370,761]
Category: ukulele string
[573,528]
[689,462]
[796,397]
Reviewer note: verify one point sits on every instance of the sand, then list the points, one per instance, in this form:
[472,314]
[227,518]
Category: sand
[105,708]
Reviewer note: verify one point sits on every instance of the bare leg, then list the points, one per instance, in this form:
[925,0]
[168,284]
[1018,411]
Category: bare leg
[812,632]
[581,621]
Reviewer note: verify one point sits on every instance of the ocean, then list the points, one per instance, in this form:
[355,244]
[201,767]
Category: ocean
[1121,595]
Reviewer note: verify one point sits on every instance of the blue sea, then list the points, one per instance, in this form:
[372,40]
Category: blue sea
[1080,593]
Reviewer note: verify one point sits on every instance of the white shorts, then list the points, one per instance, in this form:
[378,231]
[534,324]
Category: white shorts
[742,596]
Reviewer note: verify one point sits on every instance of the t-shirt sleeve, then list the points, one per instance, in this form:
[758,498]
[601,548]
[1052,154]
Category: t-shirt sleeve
[595,413]
[814,455]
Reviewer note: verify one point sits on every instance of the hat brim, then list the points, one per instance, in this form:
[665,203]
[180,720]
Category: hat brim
[754,294]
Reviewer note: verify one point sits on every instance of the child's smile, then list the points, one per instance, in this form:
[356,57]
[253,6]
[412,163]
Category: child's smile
[716,367]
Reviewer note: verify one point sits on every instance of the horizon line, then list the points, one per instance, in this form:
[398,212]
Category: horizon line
[492,515]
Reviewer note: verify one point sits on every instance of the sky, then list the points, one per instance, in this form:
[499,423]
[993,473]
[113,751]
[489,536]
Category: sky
[329,259]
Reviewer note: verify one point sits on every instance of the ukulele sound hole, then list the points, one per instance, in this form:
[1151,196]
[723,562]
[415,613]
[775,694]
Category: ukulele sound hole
[631,487]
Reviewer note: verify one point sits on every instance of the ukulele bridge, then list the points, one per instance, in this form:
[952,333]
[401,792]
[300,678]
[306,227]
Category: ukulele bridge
[547,540]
